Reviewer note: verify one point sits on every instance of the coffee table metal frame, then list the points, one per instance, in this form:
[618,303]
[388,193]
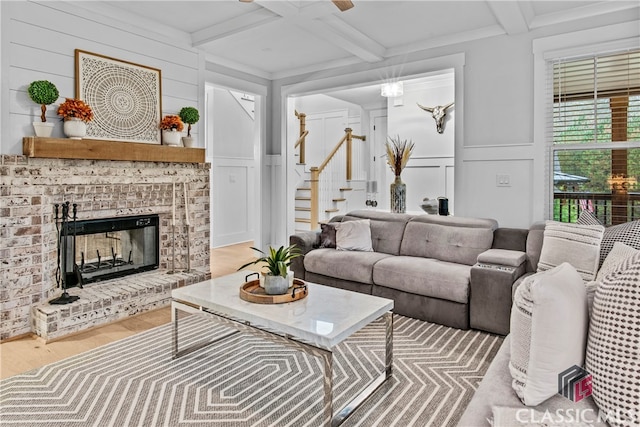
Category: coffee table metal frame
[330,417]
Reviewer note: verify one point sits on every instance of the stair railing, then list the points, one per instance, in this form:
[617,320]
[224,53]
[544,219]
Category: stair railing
[324,186]
[303,135]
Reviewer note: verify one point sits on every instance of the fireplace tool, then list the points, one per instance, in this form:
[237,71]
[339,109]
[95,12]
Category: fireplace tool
[173,232]
[62,226]
[188,221]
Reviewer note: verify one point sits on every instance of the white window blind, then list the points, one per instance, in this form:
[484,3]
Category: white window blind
[595,130]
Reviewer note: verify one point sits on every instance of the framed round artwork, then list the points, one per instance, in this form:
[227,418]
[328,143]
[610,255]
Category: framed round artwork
[126,98]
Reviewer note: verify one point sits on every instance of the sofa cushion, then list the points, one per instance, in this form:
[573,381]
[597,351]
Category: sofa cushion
[579,245]
[613,349]
[502,257]
[424,276]
[458,240]
[387,229]
[495,391]
[354,236]
[346,265]
[549,322]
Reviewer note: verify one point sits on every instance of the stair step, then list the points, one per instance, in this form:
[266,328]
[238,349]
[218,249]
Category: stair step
[303,198]
[333,210]
[307,220]
[303,209]
[304,188]
[346,189]
[342,199]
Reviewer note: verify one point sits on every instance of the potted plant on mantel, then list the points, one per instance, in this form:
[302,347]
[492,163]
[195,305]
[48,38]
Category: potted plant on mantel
[44,93]
[190,116]
[171,126]
[276,281]
[76,114]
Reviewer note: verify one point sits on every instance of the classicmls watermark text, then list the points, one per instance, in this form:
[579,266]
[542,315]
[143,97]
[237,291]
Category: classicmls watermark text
[574,383]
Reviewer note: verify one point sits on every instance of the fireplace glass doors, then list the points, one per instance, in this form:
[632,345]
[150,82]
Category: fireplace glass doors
[105,248]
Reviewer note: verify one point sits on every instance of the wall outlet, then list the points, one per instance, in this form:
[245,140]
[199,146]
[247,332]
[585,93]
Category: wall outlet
[503,180]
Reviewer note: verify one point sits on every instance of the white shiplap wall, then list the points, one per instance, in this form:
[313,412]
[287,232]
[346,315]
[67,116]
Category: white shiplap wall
[38,42]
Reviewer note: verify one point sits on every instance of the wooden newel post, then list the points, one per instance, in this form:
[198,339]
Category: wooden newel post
[303,128]
[349,152]
[315,177]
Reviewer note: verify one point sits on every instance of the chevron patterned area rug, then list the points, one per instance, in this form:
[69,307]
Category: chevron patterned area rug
[245,380]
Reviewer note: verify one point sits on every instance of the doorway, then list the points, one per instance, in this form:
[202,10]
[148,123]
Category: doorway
[233,149]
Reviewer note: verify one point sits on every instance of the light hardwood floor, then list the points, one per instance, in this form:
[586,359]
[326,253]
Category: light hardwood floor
[24,354]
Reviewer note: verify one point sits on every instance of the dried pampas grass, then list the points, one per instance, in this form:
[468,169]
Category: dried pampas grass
[398,153]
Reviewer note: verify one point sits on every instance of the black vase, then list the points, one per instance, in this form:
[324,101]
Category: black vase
[443,206]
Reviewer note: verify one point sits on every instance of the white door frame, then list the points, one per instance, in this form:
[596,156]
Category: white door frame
[260,92]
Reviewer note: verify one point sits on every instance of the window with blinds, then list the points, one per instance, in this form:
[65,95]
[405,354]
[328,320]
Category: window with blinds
[596,137]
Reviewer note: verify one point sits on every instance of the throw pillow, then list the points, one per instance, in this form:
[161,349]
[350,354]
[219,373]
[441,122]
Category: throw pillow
[613,350]
[628,233]
[549,323]
[577,244]
[327,236]
[619,253]
[354,235]
[587,218]
[612,263]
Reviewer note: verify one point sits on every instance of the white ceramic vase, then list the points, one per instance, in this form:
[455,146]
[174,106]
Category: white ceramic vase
[75,128]
[171,137]
[275,285]
[188,141]
[43,129]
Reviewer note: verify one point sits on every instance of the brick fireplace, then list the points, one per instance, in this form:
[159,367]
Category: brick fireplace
[29,189]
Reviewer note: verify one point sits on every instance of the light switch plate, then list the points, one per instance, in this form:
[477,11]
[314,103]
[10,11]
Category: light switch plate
[503,180]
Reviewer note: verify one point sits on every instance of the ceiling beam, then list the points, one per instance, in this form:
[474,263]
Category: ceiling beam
[329,28]
[583,12]
[232,26]
[509,16]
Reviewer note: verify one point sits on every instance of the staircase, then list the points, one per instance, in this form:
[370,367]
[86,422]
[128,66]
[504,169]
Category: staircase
[320,196]
[340,204]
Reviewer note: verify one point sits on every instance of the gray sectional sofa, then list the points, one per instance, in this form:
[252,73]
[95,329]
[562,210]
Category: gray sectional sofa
[449,270]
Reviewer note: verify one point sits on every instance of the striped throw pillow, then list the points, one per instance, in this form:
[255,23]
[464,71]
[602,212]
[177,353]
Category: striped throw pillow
[577,244]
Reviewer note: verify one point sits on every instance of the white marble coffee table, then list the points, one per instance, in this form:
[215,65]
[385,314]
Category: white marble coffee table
[315,324]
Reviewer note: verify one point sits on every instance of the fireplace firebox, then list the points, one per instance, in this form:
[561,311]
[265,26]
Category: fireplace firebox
[101,249]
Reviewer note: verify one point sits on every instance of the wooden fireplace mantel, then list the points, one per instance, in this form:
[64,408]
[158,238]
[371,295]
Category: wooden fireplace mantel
[97,149]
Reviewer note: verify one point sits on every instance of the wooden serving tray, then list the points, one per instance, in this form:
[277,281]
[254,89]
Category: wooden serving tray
[252,292]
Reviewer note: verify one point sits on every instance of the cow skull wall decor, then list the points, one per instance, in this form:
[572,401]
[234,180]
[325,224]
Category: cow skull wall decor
[438,112]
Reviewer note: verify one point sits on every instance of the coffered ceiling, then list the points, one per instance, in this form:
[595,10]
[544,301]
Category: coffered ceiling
[280,38]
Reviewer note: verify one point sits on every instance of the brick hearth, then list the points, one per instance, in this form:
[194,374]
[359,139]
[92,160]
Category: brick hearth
[109,301]
[29,187]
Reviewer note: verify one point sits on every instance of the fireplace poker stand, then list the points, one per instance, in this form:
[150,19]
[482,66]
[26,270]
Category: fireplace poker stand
[62,225]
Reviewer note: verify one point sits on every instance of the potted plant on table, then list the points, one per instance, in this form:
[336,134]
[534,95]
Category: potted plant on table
[76,114]
[43,92]
[277,262]
[171,126]
[190,116]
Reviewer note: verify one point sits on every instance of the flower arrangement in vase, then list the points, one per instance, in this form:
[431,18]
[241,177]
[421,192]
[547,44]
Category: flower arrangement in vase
[76,114]
[44,93]
[171,126]
[276,281]
[398,154]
